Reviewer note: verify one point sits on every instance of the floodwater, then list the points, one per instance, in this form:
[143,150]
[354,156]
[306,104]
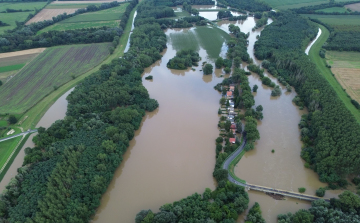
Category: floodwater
[283,169]
[312,42]
[56,111]
[212,15]
[173,153]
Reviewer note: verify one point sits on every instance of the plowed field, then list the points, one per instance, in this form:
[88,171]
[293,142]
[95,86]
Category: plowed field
[51,69]
[47,14]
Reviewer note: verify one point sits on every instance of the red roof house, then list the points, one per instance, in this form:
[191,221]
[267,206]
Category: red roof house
[233,126]
[232,140]
[229,94]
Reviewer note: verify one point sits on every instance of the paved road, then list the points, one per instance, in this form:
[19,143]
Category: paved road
[20,134]
[262,188]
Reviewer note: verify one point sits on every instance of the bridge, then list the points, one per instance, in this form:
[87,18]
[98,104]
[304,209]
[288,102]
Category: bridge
[20,134]
[264,189]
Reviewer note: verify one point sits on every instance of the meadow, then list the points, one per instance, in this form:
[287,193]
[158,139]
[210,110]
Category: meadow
[5,149]
[346,68]
[51,69]
[288,4]
[333,9]
[11,67]
[10,18]
[109,17]
[339,22]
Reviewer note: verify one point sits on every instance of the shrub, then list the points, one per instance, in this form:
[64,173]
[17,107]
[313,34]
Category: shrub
[276,91]
[208,69]
[320,192]
[302,189]
[150,77]
[12,119]
[255,88]
[219,140]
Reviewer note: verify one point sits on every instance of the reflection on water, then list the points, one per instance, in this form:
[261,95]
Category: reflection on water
[174,155]
[283,169]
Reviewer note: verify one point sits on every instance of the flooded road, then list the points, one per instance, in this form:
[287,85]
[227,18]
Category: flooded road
[56,111]
[173,153]
[283,169]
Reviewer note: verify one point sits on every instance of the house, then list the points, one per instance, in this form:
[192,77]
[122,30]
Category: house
[232,88]
[233,126]
[230,117]
[229,94]
[232,140]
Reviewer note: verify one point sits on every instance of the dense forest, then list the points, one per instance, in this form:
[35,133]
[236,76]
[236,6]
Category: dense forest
[221,205]
[343,41]
[66,173]
[25,37]
[249,5]
[346,209]
[329,131]
[184,59]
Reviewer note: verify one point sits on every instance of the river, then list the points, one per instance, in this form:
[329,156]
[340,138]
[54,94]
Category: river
[283,169]
[173,153]
[56,111]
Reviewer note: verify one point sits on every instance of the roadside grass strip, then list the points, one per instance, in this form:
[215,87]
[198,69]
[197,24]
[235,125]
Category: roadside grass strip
[232,166]
[48,71]
[11,68]
[6,149]
[326,72]
[5,167]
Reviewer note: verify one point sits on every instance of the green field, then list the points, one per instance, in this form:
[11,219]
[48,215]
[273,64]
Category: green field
[6,149]
[333,9]
[336,20]
[11,67]
[199,37]
[51,69]
[109,17]
[321,65]
[10,18]
[288,4]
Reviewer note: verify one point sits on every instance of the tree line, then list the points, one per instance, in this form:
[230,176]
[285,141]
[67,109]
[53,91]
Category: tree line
[249,5]
[25,37]
[329,131]
[172,3]
[64,176]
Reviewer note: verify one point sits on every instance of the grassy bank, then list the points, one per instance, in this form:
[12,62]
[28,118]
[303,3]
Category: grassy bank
[326,72]
[232,166]
[36,112]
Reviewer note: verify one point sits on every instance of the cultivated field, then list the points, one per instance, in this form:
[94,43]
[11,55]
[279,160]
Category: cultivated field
[10,18]
[47,14]
[346,67]
[353,7]
[339,22]
[333,9]
[11,62]
[288,4]
[109,17]
[51,69]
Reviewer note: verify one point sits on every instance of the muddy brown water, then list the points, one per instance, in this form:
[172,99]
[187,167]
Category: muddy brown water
[283,169]
[173,153]
[56,111]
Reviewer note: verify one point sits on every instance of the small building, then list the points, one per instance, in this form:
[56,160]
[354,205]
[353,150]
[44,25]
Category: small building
[233,126]
[232,140]
[232,88]
[230,117]
[229,94]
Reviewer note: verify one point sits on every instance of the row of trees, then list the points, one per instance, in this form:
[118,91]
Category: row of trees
[313,9]
[249,5]
[329,131]
[25,37]
[73,162]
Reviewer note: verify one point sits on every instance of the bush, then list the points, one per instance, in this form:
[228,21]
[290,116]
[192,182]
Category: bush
[219,140]
[227,70]
[150,77]
[355,103]
[208,69]
[12,119]
[276,91]
[302,189]
[255,88]
[219,62]
[320,192]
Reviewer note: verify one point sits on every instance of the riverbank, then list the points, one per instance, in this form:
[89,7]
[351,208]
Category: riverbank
[326,72]
[36,113]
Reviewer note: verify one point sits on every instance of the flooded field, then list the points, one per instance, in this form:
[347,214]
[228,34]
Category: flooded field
[173,153]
